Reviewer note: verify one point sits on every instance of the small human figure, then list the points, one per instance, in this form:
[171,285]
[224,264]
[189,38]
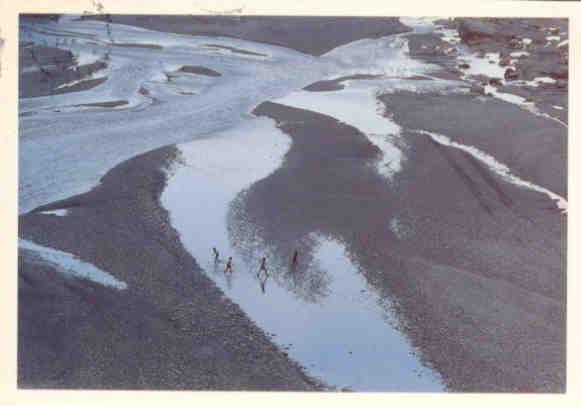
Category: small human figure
[263,265]
[229,265]
[216,254]
[295,258]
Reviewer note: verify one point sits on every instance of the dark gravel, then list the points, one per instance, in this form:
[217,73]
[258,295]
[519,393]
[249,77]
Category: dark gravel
[200,70]
[533,147]
[476,269]
[288,31]
[171,329]
[336,84]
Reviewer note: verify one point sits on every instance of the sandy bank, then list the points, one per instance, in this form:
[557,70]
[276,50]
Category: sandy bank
[170,329]
[473,264]
[534,147]
[311,35]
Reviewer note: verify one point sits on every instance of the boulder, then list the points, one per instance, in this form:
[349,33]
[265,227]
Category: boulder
[510,74]
[475,31]
[504,61]
[515,43]
[561,83]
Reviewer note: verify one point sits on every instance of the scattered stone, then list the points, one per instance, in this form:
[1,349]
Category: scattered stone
[477,89]
[510,74]
[515,43]
[505,61]
[561,83]
[464,66]
[474,31]
[564,59]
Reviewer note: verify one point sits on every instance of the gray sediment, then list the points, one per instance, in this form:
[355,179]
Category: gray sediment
[235,50]
[336,84]
[533,147]
[50,75]
[505,36]
[200,70]
[112,103]
[172,328]
[288,31]
[129,45]
[475,296]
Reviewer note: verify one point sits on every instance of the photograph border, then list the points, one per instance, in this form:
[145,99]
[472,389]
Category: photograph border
[9,11]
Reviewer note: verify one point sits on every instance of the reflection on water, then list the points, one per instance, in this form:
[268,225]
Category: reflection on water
[320,309]
[346,336]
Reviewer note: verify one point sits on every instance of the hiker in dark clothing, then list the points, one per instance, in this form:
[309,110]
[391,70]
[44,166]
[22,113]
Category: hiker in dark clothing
[216,254]
[295,258]
[263,277]
[229,265]
[263,266]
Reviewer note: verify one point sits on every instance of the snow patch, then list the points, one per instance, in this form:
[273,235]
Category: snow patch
[57,212]
[497,167]
[70,264]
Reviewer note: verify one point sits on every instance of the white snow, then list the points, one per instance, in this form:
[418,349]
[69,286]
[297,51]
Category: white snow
[483,66]
[56,212]
[507,97]
[357,107]
[70,264]
[543,79]
[76,82]
[497,167]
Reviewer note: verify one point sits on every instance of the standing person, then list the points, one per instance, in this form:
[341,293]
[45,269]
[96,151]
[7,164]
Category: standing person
[263,266]
[262,282]
[216,254]
[229,265]
[295,258]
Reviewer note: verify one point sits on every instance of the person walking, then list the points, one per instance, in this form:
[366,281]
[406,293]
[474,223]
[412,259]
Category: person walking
[295,258]
[263,266]
[229,265]
[216,254]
